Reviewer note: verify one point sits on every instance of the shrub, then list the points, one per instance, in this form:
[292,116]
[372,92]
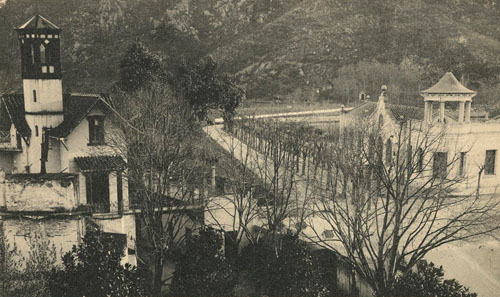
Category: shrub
[26,275]
[283,269]
[428,282]
[202,269]
[93,269]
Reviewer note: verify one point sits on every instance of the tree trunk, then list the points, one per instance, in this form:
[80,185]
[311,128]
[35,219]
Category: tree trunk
[158,276]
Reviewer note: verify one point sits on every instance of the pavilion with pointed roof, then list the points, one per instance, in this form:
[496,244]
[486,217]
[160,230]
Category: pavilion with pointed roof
[448,89]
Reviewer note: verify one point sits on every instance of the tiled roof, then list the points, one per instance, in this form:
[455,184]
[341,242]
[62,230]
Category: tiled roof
[448,84]
[14,104]
[76,107]
[405,112]
[38,22]
[100,163]
[365,109]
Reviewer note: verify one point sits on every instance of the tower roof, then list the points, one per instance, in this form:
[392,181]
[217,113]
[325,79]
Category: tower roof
[38,22]
[448,84]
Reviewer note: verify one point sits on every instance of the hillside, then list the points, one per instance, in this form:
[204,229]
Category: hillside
[303,48]
[287,48]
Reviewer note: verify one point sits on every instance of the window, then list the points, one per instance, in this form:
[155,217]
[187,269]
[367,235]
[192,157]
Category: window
[380,121]
[36,131]
[328,234]
[97,184]
[32,54]
[461,169]
[388,151]
[380,150]
[420,156]
[440,164]
[34,95]
[96,130]
[119,184]
[42,54]
[489,162]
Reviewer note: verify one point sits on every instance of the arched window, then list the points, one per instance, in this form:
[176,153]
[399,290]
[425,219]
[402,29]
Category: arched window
[388,151]
[34,95]
[380,150]
[380,121]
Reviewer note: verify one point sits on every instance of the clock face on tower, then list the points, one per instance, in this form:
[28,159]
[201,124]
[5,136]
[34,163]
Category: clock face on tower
[39,40]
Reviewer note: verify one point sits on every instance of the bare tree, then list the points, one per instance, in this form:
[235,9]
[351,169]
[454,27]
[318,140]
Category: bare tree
[165,172]
[394,197]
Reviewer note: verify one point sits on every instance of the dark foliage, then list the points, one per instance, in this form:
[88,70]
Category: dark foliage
[139,68]
[202,269]
[93,269]
[206,87]
[289,270]
[428,282]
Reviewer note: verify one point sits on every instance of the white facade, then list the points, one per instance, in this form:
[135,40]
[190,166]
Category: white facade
[466,142]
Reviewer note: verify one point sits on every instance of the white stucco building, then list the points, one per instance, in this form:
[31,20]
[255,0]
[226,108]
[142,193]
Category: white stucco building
[469,145]
[60,172]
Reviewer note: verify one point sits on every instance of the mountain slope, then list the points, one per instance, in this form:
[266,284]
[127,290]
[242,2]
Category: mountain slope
[304,48]
[286,48]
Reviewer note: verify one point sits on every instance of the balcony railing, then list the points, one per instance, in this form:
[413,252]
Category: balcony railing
[5,137]
[6,141]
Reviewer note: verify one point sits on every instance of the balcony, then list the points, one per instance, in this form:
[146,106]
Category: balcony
[6,143]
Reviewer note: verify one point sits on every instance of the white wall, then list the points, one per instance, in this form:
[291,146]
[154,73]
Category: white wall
[78,142]
[48,92]
[63,233]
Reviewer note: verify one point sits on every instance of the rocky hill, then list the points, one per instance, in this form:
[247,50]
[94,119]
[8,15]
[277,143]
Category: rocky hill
[287,48]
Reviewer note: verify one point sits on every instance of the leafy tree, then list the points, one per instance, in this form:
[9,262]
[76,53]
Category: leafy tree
[202,269]
[428,281]
[93,269]
[290,272]
[139,68]
[205,87]
[403,81]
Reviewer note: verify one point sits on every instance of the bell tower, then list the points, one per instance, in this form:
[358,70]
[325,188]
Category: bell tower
[39,41]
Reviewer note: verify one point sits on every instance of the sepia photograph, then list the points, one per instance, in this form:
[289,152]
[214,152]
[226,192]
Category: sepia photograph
[274,148]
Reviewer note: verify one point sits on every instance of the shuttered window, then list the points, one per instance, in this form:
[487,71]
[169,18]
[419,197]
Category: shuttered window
[489,162]
[440,164]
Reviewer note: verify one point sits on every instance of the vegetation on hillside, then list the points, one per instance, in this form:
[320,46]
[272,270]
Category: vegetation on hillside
[287,49]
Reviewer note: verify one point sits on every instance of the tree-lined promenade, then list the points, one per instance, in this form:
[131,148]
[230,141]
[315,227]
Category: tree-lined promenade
[384,211]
